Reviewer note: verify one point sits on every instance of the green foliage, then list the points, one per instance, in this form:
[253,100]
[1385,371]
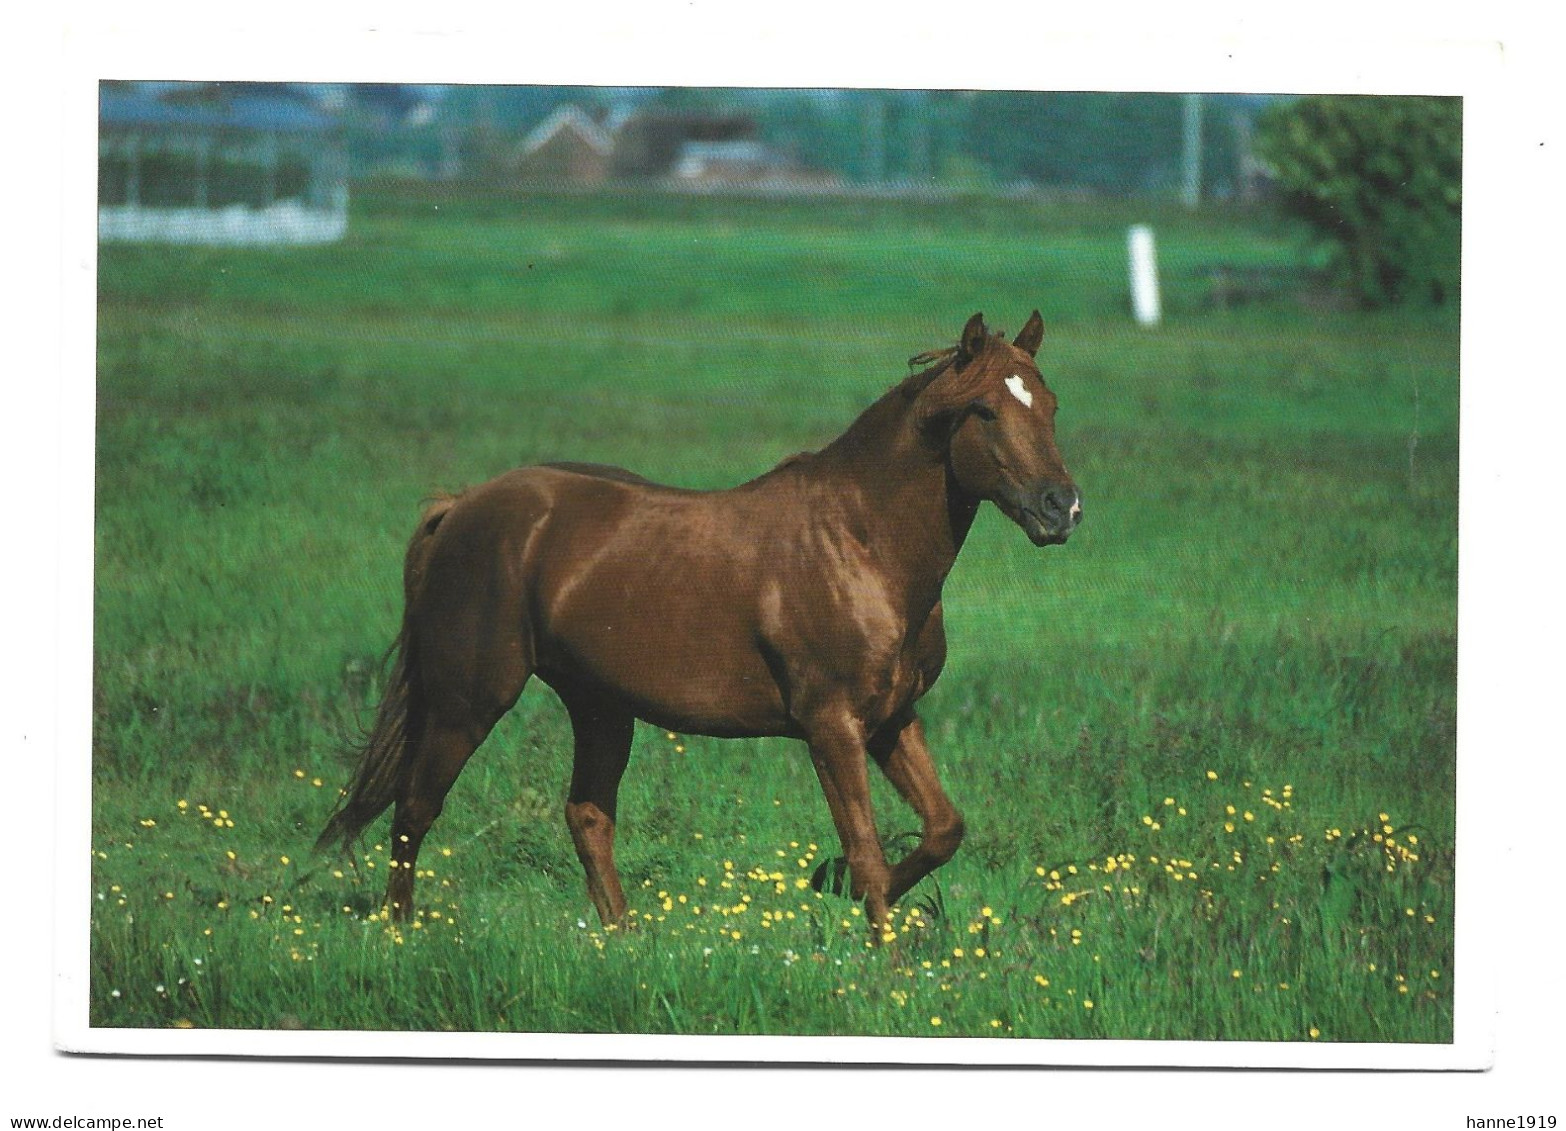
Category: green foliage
[1119,143]
[1265,588]
[1380,180]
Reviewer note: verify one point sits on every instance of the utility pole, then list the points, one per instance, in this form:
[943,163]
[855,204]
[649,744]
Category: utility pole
[1191,151]
[875,138]
[919,163]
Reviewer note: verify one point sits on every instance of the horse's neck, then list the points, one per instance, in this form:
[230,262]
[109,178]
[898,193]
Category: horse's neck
[900,491]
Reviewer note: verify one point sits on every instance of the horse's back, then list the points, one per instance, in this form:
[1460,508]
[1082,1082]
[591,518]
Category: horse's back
[599,471]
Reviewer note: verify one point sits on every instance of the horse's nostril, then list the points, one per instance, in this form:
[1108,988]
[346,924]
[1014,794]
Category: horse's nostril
[1061,506]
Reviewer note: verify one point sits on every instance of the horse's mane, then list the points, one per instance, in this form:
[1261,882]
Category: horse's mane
[936,362]
[907,396]
[953,393]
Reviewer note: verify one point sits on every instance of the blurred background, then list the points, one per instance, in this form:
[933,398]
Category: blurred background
[886,141]
[1375,179]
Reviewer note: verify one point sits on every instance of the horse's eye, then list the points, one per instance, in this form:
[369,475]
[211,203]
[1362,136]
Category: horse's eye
[981,410]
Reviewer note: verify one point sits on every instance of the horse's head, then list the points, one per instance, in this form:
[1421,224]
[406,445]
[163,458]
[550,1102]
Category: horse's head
[998,418]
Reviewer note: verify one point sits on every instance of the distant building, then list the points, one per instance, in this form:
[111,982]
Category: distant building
[219,163]
[566,146]
[726,164]
[649,142]
[681,150]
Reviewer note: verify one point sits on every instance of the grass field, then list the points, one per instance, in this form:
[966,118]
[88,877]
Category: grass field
[1205,751]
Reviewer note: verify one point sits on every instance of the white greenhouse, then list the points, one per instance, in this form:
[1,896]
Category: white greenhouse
[219,163]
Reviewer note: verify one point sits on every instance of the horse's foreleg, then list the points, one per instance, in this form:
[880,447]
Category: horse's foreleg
[905,759]
[838,752]
[603,746]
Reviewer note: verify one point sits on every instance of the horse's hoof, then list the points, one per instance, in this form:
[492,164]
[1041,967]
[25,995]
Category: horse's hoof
[831,876]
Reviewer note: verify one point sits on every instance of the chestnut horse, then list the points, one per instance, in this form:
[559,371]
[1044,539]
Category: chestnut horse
[805,603]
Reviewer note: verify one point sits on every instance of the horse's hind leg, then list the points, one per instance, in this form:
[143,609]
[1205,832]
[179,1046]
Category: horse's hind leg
[468,650]
[899,749]
[441,750]
[443,736]
[603,746]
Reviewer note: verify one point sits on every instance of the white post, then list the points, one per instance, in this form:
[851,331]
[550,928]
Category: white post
[1144,276]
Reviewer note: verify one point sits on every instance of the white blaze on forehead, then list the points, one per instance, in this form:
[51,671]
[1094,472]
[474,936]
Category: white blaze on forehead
[1019,390]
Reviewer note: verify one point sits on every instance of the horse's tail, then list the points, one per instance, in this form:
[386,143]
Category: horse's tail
[386,752]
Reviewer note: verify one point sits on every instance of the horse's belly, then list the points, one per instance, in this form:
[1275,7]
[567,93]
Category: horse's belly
[674,676]
[735,705]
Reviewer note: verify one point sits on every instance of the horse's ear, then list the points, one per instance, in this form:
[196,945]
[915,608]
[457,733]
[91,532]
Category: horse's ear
[1031,336]
[974,335]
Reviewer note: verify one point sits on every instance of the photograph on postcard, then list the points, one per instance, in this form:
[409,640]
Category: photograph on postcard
[766,562]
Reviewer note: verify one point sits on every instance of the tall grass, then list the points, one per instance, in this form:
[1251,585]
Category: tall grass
[1259,613]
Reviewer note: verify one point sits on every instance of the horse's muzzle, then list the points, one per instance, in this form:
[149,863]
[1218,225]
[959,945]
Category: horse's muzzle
[1054,513]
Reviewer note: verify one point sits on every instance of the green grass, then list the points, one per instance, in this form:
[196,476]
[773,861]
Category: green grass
[1262,598]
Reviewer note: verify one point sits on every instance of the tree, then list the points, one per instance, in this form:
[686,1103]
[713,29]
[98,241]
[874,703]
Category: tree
[1379,179]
